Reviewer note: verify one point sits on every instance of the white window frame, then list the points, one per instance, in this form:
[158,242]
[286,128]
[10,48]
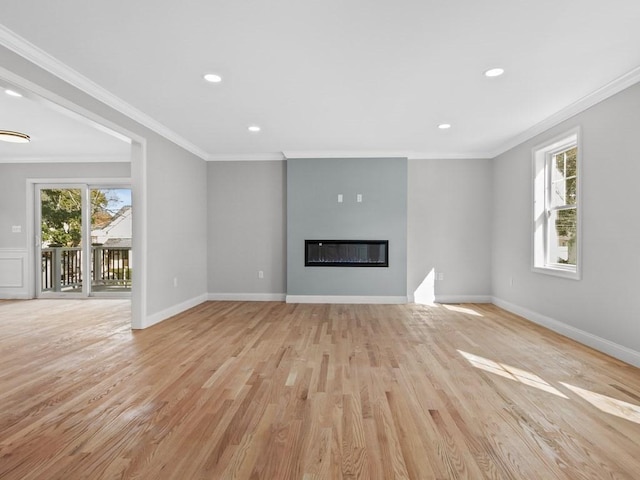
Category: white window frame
[542,155]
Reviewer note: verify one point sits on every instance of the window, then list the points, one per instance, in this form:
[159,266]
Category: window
[556,210]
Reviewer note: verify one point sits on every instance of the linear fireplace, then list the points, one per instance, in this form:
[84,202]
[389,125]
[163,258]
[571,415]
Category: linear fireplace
[346,253]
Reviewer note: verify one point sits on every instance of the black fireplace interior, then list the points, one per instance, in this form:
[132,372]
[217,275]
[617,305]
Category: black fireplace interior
[346,253]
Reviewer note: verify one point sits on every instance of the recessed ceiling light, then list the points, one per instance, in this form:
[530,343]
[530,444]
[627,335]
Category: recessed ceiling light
[213,77]
[254,128]
[444,126]
[14,137]
[12,93]
[494,72]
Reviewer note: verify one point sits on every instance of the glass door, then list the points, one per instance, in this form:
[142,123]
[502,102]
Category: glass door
[111,226]
[60,241]
[84,241]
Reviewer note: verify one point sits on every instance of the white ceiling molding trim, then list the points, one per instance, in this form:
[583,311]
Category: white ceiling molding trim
[378,154]
[608,90]
[67,159]
[35,55]
[244,157]
[343,154]
[449,156]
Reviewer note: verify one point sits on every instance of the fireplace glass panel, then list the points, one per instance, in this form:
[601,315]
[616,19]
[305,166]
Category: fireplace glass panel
[346,253]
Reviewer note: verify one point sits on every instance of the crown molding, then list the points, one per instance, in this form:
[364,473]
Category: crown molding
[39,57]
[253,157]
[244,157]
[448,156]
[68,159]
[411,155]
[625,81]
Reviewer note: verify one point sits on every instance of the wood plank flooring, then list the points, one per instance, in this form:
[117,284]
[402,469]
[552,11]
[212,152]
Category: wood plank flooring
[240,390]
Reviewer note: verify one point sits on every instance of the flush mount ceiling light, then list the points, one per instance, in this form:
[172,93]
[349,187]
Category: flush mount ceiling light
[12,93]
[14,137]
[254,128]
[494,72]
[444,126]
[212,77]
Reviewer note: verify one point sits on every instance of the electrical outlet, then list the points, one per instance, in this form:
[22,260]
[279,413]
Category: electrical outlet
[439,276]
[260,274]
[175,281]
[16,229]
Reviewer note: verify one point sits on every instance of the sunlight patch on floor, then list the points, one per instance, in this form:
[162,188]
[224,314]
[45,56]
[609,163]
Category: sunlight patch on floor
[459,309]
[607,404]
[512,373]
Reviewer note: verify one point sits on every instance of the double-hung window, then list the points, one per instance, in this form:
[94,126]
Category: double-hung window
[556,215]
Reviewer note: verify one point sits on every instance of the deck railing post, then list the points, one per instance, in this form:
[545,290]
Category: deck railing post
[57,271]
[96,253]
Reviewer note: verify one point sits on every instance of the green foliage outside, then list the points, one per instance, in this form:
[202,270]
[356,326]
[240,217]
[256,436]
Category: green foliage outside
[62,215]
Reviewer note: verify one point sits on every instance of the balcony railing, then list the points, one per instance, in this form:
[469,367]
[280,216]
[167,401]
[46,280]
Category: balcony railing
[110,269]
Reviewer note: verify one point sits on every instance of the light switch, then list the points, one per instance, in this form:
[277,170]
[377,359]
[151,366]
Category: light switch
[16,229]
[339,198]
[359,198]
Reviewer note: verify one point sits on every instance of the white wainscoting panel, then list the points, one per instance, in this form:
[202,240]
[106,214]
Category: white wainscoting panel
[13,273]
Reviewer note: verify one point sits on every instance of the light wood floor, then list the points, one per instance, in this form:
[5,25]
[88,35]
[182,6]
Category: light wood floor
[274,391]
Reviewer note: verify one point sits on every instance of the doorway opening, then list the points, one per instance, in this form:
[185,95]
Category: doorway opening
[55,112]
[84,240]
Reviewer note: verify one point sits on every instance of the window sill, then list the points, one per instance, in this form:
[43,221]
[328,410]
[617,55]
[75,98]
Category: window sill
[570,273]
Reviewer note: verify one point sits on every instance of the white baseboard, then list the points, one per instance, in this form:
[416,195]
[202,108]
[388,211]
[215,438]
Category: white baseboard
[247,297]
[463,299]
[606,346]
[346,299]
[15,296]
[173,310]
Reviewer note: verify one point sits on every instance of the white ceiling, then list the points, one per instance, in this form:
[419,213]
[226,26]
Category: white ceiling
[56,134]
[353,77]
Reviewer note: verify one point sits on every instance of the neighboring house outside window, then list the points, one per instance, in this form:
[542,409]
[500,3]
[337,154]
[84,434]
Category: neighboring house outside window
[556,206]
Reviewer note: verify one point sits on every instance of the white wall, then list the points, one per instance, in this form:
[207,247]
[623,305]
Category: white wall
[602,309]
[449,230]
[247,229]
[169,191]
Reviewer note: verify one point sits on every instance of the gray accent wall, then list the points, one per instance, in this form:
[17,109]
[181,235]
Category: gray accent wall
[313,213]
[606,302]
[247,228]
